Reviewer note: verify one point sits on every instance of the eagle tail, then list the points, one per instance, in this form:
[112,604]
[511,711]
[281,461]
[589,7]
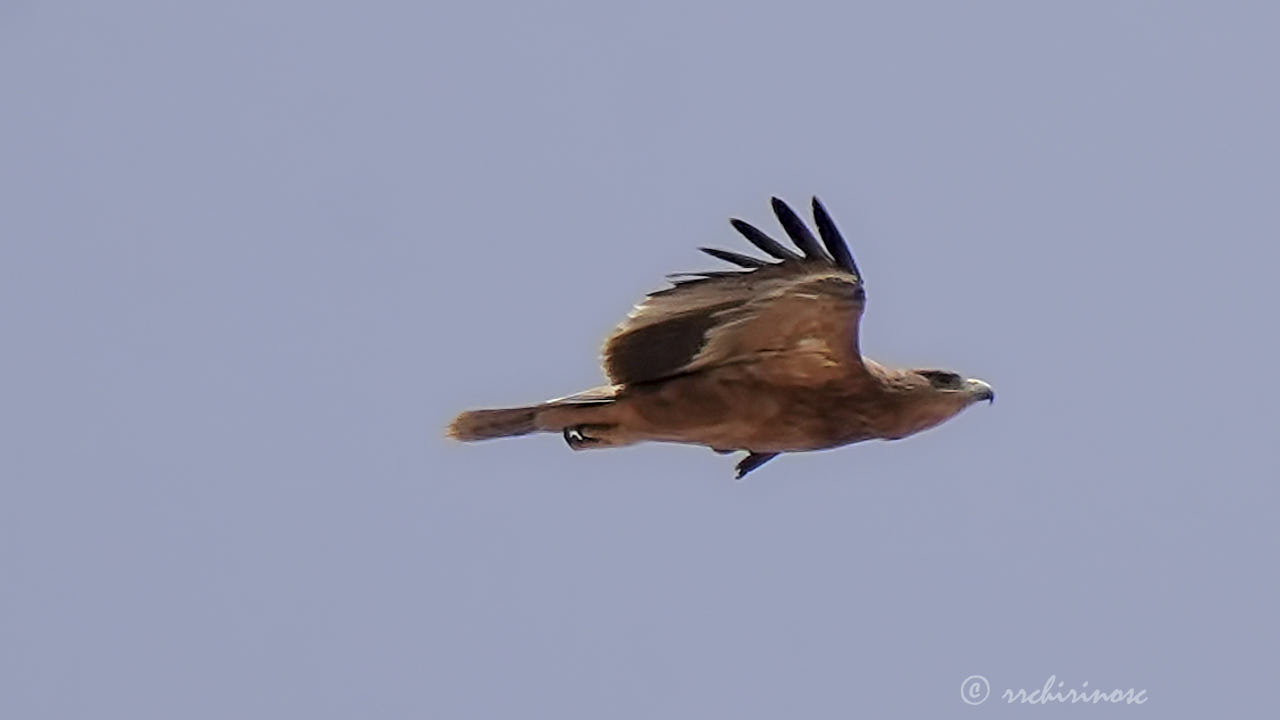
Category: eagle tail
[488,424]
[509,422]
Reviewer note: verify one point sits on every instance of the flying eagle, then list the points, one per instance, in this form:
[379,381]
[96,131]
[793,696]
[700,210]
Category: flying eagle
[763,359]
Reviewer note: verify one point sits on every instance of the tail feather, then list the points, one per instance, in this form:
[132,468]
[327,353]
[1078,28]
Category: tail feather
[550,416]
[488,424]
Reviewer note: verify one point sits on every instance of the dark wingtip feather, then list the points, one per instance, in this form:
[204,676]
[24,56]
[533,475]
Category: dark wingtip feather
[798,231]
[684,278]
[764,242]
[738,259]
[832,238]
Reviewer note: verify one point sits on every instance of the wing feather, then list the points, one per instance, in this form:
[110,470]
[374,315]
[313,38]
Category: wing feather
[832,238]
[764,242]
[798,231]
[738,259]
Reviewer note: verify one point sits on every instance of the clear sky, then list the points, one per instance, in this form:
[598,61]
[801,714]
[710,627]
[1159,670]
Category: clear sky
[255,255]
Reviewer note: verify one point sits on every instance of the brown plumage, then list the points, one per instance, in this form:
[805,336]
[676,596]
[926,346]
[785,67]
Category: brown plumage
[764,359]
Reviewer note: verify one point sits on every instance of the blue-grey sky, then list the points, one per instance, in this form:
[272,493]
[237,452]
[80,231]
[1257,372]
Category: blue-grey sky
[255,255]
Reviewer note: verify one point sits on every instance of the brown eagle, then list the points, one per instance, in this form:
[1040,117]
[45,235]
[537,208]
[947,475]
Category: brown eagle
[763,359]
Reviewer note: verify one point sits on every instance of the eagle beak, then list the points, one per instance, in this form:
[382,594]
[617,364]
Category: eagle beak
[980,391]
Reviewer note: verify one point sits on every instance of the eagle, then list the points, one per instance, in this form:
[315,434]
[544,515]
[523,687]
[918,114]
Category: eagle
[762,359]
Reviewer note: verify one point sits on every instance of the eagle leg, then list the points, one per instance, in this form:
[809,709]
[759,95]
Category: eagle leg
[585,437]
[753,461]
[575,438]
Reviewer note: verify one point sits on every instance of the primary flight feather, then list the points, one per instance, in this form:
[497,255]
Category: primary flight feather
[764,360]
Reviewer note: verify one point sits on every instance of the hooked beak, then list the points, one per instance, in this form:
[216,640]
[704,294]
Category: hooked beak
[979,390]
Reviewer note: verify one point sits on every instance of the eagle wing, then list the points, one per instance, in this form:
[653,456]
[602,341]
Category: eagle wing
[794,318]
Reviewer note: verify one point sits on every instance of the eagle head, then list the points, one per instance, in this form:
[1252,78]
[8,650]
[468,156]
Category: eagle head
[965,390]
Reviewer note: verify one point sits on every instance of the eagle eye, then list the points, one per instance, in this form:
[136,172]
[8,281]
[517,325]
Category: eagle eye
[941,379]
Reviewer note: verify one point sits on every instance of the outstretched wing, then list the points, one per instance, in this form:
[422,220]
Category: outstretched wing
[794,317]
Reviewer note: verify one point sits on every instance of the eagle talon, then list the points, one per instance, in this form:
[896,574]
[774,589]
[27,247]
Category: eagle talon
[575,438]
[752,461]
